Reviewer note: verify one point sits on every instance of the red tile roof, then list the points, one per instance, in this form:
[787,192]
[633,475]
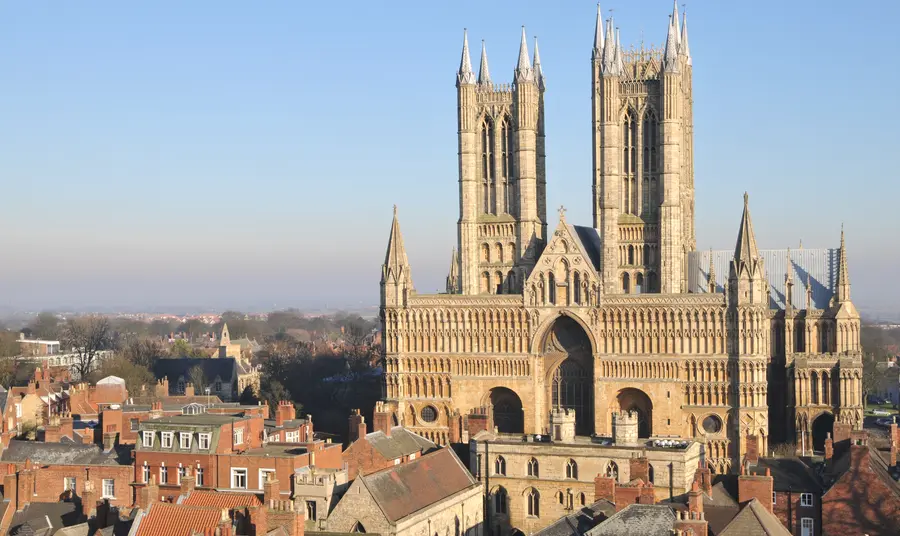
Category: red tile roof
[224,499]
[166,519]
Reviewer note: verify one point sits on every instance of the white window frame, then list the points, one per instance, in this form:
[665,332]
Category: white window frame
[198,476]
[166,440]
[163,474]
[182,436]
[773,498]
[806,499]
[292,437]
[66,486]
[262,476]
[146,473]
[807,526]
[181,472]
[203,441]
[147,439]
[238,436]
[109,488]
[18,411]
[235,471]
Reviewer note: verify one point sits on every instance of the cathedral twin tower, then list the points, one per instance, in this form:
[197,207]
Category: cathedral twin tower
[624,314]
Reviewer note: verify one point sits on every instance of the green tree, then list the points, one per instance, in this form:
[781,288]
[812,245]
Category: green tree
[182,348]
[134,374]
[9,345]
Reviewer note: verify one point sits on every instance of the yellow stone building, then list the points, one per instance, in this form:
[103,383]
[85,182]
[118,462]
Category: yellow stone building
[625,313]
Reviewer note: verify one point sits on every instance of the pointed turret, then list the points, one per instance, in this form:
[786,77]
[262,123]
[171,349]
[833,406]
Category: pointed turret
[746,277]
[609,65]
[396,281]
[711,280]
[789,282]
[465,74]
[746,251]
[842,292]
[538,73]
[225,338]
[620,62]
[524,72]
[677,28]
[484,73]
[809,293]
[670,56]
[453,275]
[598,35]
[685,47]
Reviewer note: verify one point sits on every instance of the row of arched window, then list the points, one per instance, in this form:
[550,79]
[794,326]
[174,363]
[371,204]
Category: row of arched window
[496,148]
[640,147]
[632,255]
[496,283]
[533,468]
[636,284]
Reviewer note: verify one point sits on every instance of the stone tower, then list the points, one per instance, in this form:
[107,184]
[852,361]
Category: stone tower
[643,184]
[502,182]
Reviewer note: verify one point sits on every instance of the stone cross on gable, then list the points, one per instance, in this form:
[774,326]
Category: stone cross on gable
[562,213]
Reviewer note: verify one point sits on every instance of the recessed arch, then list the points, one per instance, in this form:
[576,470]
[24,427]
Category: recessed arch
[632,399]
[508,413]
[822,425]
[568,368]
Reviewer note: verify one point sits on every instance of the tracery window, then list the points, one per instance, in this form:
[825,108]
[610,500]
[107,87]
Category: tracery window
[533,468]
[500,466]
[487,164]
[572,469]
[534,503]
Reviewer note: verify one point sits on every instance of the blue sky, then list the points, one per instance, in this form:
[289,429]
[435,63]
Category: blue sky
[235,154]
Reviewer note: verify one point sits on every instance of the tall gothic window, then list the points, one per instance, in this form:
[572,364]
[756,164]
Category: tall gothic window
[612,471]
[500,466]
[534,503]
[533,468]
[572,470]
[506,156]
[500,501]
[487,164]
[576,280]
[551,283]
[629,160]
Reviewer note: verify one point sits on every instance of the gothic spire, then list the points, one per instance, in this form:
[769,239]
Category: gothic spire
[670,57]
[685,48]
[620,63]
[598,35]
[842,293]
[453,276]
[608,64]
[712,274]
[675,21]
[746,252]
[524,72]
[484,73]
[465,74]
[538,73]
[396,264]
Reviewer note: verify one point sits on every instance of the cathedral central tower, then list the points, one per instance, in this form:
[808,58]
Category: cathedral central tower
[643,183]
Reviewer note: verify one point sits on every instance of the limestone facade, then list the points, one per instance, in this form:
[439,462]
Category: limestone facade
[599,318]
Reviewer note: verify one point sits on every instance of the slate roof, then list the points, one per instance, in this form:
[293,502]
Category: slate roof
[220,500]
[407,488]
[31,520]
[3,396]
[401,443]
[755,520]
[789,474]
[643,519]
[591,242]
[64,454]
[223,367]
[842,467]
[578,523]
[164,519]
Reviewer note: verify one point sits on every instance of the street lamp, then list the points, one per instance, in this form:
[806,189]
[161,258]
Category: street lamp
[207,397]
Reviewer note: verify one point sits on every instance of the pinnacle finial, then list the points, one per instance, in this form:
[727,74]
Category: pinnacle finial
[562,213]
[484,73]
[538,72]
[746,251]
[609,64]
[685,47]
[465,74]
[395,211]
[675,20]
[842,293]
[670,56]
[524,72]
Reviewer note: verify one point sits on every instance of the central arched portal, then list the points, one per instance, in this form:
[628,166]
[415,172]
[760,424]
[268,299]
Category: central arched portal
[821,427]
[508,416]
[568,363]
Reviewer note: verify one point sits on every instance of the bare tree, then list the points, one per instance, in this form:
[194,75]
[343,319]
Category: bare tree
[198,379]
[87,336]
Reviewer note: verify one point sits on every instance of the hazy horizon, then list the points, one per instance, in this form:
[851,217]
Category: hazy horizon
[226,155]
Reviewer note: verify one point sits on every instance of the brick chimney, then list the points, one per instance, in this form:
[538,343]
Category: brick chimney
[285,412]
[357,426]
[381,419]
[691,521]
[285,514]
[51,430]
[31,387]
[11,486]
[604,488]
[162,387]
[224,526]
[640,468]
[188,481]
[271,491]
[751,455]
[111,419]
[156,410]
[148,494]
[859,449]
[89,499]
[695,499]
[189,389]
[759,487]
[703,476]
[110,439]
[258,520]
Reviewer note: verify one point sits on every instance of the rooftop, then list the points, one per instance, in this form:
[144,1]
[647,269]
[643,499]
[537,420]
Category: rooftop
[164,519]
[579,522]
[64,454]
[643,519]
[219,499]
[400,443]
[209,419]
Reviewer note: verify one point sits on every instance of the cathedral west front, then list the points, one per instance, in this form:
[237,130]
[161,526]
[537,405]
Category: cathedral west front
[736,349]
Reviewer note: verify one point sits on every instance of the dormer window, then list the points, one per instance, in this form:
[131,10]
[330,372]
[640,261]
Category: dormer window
[239,436]
[148,439]
[185,440]
[166,439]
[203,441]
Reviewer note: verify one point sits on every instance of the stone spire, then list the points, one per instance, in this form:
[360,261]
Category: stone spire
[453,276]
[620,62]
[670,56]
[538,73]
[396,264]
[746,251]
[675,21]
[842,293]
[484,73]
[465,74]
[524,72]
[598,35]
[712,274]
[809,293]
[685,48]
[608,64]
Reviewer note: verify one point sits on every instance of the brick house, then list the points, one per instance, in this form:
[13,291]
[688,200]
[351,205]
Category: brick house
[796,494]
[287,428]
[382,448]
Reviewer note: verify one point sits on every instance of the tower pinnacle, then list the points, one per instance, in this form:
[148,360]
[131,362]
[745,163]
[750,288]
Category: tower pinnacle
[524,72]
[598,35]
[465,74]
[746,251]
[538,73]
[396,264]
[453,275]
[484,73]
[842,293]
[685,48]
[670,56]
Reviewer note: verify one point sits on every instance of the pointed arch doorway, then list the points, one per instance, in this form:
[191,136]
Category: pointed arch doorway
[568,364]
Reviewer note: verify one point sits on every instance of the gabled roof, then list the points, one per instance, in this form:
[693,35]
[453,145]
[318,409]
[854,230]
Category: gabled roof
[223,367]
[63,454]
[578,523]
[643,519]
[789,474]
[164,519]
[405,489]
[755,520]
[219,499]
[401,443]
[32,519]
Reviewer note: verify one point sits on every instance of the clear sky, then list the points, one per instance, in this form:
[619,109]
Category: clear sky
[247,154]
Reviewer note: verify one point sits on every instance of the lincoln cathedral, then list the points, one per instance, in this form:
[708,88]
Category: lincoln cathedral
[736,349]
